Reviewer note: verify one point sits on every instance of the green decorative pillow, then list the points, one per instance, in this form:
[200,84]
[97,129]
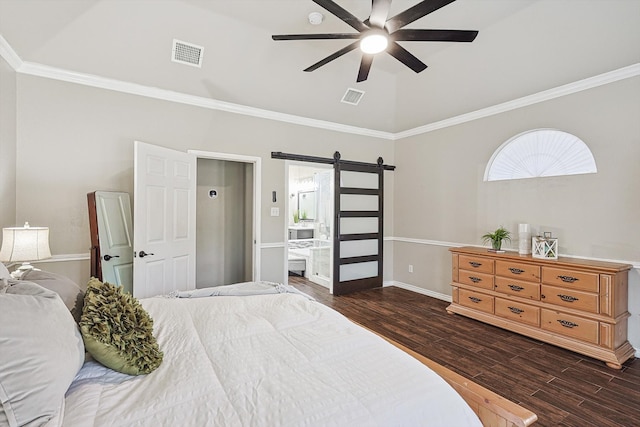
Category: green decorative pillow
[117,331]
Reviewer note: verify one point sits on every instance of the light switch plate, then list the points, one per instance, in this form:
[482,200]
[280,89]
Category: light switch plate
[275,211]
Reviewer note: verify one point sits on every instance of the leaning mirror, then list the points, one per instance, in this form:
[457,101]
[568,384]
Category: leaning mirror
[111,238]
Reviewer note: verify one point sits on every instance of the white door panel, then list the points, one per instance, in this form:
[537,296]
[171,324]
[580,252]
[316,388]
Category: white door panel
[164,214]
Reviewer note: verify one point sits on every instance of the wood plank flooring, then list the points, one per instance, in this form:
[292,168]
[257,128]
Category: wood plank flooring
[563,388]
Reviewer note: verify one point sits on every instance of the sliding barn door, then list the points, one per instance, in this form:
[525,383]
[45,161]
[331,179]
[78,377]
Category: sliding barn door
[358,237]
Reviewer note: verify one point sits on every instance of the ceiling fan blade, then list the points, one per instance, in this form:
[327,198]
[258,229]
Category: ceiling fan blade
[316,36]
[333,56]
[403,55]
[414,13]
[435,35]
[379,13]
[341,13]
[365,66]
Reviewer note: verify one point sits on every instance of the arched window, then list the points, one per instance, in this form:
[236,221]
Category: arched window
[540,152]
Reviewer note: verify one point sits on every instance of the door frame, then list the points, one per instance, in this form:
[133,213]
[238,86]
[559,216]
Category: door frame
[288,164]
[348,164]
[257,186]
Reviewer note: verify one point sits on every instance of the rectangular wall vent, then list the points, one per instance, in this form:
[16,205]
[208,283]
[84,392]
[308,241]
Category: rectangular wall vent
[187,53]
[352,96]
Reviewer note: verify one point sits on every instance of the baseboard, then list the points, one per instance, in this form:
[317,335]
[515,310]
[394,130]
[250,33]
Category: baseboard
[419,290]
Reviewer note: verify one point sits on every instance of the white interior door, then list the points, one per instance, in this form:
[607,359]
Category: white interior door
[165,219]
[113,211]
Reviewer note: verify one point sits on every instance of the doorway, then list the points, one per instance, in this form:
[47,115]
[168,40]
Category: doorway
[224,222]
[309,238]
[165,186]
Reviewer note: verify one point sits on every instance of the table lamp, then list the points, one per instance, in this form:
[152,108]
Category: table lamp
[24,244]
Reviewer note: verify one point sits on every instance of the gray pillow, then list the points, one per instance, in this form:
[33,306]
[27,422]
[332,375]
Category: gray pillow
[4,273]
[69,291]
[41,351]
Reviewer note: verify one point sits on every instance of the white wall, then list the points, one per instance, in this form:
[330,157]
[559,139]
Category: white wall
[441,198]
[74,139]
[7,145]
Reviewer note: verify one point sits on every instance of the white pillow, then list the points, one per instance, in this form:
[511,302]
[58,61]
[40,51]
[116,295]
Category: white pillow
[41,351]
[4,273]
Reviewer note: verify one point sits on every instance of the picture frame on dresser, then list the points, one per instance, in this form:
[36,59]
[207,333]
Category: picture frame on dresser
[577,304]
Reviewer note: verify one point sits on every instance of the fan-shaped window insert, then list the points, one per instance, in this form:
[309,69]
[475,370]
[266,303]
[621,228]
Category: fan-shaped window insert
[540,152]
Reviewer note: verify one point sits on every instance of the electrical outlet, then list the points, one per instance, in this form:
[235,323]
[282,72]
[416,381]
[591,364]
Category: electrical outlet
[410,268]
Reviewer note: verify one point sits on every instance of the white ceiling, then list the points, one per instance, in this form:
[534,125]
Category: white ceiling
[523,47]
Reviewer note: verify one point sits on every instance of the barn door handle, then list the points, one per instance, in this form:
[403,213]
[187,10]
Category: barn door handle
[143,254]
[108,257]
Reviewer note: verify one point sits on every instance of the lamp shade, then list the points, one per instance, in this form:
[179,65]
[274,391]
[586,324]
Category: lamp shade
[25,244]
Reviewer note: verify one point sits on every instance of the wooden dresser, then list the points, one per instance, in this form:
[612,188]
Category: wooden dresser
[577,304]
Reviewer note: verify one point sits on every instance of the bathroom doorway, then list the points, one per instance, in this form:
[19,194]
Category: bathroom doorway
[309,232]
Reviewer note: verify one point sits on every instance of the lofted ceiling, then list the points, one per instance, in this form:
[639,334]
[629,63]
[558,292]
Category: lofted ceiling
[523,47]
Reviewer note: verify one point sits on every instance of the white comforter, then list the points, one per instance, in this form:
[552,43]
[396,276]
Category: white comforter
[268,360]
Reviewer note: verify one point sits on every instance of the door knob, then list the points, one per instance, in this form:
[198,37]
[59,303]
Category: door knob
[108,257]
[143,254]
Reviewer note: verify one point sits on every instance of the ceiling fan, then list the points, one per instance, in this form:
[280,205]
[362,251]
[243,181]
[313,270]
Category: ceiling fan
[380,33]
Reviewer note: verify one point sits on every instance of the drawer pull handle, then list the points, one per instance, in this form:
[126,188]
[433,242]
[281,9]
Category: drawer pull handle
[475,299]
[516,310]
[516,270]
[475,264]
[567,324]
[568,279]
[516,288]
[475,279]
[567,298]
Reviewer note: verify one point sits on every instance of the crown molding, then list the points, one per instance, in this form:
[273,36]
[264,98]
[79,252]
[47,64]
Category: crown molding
[9,55]
[46,71]
[40,70]
[546,95]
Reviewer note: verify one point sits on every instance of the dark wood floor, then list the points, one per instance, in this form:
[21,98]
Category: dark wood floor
[563,388]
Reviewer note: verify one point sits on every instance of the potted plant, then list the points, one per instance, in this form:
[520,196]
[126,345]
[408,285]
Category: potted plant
[497,237]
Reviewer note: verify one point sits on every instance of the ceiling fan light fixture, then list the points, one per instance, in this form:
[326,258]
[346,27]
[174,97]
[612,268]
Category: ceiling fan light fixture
[374,42]
[316,18]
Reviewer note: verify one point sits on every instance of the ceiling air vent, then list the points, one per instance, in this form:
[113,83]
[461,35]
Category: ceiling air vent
[186,53]
[352,96]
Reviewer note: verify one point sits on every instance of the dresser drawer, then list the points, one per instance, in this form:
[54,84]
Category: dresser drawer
[517,287]
[519,312]
[571,279]
[475,278]
[570,326]
[518,270]
[476,300]
[579,300]
[483,265]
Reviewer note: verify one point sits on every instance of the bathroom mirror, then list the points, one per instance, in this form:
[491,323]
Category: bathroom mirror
[111,231]
[307,205]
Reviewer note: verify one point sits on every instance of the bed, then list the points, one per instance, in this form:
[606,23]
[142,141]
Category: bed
[264,354]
